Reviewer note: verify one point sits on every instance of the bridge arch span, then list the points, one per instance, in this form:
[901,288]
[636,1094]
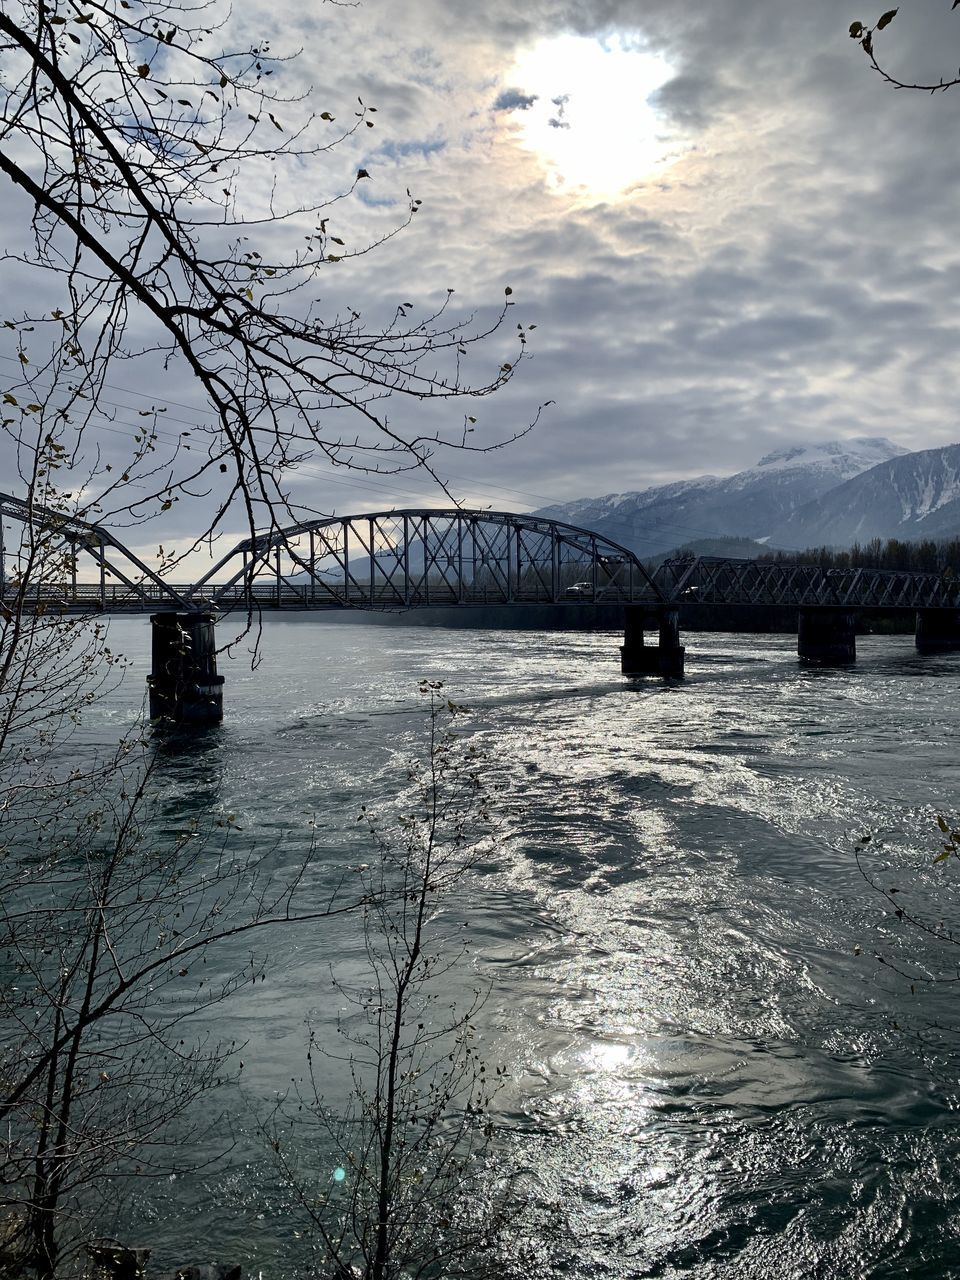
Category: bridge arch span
[140,586]
[420,556]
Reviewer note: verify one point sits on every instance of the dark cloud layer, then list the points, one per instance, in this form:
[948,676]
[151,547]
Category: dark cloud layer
[514,100]
[791,275]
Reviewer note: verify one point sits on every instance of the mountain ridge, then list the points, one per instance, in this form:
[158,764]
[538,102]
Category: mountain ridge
[750,503]
[912,496]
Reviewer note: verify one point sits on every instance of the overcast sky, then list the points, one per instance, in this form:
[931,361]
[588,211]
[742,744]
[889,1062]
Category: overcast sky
[729,234]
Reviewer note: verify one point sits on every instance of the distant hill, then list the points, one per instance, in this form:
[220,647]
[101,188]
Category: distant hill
[916,495]
[750,504]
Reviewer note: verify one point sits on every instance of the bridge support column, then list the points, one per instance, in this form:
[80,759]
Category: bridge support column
[639,659]
[184,685]
[827,636]
[938,630]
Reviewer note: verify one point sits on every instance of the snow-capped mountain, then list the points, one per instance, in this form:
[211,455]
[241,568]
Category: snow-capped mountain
[752,503]
[913,496]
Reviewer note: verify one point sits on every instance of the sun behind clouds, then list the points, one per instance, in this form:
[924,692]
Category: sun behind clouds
[582,106]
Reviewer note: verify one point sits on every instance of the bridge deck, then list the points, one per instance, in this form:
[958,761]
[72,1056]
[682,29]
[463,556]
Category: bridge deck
[118,598]
[416,558]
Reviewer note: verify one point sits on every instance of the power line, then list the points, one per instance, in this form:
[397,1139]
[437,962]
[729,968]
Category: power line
[329,476]
[332,478]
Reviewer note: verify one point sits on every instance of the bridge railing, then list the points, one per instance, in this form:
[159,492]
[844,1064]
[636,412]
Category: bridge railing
[267,594]
[703,581]
[319,595]
[91,595]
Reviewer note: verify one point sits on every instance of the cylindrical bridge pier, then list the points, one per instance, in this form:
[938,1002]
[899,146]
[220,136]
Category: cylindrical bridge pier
[640,659]
[938,630]
[827,636]
[184,685]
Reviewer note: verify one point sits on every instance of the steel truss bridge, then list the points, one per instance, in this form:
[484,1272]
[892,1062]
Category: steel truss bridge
[711,580]
[415,558]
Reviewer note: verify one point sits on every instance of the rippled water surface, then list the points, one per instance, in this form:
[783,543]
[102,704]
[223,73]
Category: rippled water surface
[711,1074]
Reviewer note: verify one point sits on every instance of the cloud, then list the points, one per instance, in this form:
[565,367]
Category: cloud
[694,100]
[514,100]
[558,121]
[788,274]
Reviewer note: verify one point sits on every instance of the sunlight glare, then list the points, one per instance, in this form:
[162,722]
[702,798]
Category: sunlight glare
[608,1057]
[586,112]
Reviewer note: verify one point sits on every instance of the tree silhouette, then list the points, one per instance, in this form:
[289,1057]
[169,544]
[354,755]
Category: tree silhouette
[155,157]
[112,928]
[865,35]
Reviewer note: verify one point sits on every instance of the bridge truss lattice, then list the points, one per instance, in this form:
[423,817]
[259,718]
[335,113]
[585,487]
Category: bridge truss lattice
[122,575]
[710,580]
[417,557]
[428,557]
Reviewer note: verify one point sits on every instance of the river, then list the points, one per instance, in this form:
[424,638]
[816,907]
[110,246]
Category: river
[709,1072]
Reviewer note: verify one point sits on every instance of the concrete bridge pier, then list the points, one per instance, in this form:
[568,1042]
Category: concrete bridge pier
[184,685]
[827,636]
[639,659]
[938,630]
